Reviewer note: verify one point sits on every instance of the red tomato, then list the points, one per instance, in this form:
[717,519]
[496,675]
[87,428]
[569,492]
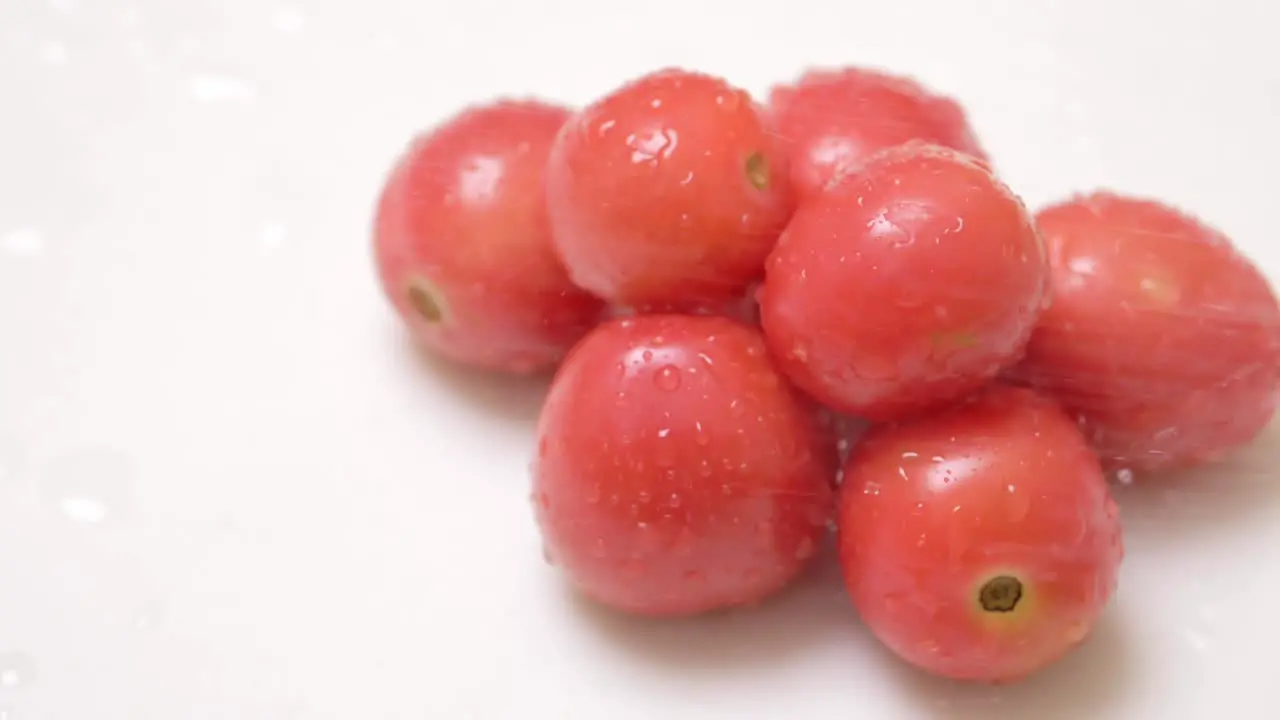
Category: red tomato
[980,543]
[906,285]
[836,118]
[1162,337]
[677,472]
[668,192]
[463,246]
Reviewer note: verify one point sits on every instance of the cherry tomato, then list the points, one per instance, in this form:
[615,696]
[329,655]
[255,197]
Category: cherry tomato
[907,284]
[677,472]
[979,543]
[463,245]
[668,192]
[1162,337]
[834,119]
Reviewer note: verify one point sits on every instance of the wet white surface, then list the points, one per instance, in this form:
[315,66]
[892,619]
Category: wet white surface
[228,491]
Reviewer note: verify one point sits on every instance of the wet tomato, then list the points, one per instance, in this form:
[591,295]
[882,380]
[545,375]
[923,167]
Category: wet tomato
[676,471]
[907,284]
[1163,338]
[669,192]
[833,119]
[463,245]
[981,542]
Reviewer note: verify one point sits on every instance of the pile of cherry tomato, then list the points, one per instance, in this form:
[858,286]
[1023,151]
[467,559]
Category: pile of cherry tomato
[770,319]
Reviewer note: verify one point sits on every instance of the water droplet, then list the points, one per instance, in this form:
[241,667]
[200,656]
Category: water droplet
[23,241]
[91,487]
[1124,476]
[736,408]
[668,378]
[643,496]
[664,432]
[700,435]
[16,669]
[871,489]
[704,469]
[674,500]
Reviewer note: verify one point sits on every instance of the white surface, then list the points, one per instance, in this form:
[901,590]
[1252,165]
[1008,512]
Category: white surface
[228,491]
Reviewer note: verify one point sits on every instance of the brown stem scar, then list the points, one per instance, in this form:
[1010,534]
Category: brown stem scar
[424,302]
[757,169]
[1000,594]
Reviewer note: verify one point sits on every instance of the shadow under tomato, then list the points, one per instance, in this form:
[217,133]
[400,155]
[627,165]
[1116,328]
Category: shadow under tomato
[1081,685]
[510,397]
[1184,503]
[815,609]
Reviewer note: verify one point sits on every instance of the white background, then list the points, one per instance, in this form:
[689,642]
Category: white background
[227,490]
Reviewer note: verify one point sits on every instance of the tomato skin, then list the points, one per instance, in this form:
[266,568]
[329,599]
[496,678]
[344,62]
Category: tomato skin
[668,192]
[1162,338]
[932,509]
[907,284]
[836,118]
[463,246]
[677,472]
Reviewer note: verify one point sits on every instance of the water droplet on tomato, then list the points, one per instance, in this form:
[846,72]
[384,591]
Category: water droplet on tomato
[736,408]
[1124,476]
[704,469]
[668,378]
[674,501]
[644,497]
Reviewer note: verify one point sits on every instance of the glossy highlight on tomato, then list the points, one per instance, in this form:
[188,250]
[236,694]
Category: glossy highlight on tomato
[677,472]
[668,193]
[463,245]
[906,285]
[980,542]
[835,118]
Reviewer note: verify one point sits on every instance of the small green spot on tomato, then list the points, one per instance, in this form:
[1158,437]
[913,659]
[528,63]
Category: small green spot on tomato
[757,170]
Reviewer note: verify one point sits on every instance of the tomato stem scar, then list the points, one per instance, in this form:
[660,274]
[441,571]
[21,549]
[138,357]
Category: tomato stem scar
[424,302]
[1000,594]
[757,169]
